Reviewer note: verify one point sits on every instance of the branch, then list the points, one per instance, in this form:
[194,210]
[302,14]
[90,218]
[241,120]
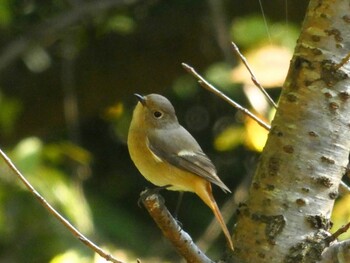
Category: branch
[344,61]
[205,84]
[254,79]
[58,216]
[53,26]
[337,233]
[182,242]
[339,249]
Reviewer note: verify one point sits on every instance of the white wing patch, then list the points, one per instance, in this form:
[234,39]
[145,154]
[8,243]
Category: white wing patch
[155,157]
[186,153]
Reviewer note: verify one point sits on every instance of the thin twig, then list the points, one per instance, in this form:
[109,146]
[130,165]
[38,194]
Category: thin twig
[265,21]
[339,232]
[254,79]
[344,61]
[58,216]
[170,228]
[205,84]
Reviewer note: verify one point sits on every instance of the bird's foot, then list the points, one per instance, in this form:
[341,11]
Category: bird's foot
[149,191]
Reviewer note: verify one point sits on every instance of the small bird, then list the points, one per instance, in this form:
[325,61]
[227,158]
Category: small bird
[166,154]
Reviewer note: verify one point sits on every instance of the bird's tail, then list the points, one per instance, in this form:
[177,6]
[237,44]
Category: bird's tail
[207,196]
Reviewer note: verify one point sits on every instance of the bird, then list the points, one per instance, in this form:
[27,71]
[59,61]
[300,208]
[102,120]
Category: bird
[167,155]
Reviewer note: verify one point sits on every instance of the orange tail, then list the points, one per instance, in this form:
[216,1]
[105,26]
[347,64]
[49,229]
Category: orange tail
[206,195]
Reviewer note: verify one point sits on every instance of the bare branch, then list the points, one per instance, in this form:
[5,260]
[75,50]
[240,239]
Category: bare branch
[58,216]
[340,231]
[205,84]
[254,79]
[182,242]
[344,61]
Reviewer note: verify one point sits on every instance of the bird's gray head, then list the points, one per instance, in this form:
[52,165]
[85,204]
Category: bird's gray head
[157,110]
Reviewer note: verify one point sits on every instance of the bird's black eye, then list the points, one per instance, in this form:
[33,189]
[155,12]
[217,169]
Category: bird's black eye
[157,114]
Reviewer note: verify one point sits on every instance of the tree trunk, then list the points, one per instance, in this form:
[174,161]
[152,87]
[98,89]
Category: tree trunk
[287,216]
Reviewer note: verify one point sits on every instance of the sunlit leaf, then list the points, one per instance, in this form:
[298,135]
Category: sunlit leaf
[269,63]
[220,74]
[27,154]
[65,194]
[121,119]
[52,183]
[5,13]
[256,135]
[341,215]
[115,111]
[121,24]
[229,138]
[10,109]
[185,86]
[251,32]
[60,152]
[248,30]
[71,256]
[284,34]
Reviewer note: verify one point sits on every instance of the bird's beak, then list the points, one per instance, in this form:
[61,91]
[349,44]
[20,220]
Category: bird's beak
[141,99]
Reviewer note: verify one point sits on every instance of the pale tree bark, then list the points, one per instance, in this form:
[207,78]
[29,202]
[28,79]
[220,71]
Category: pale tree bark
[287,216]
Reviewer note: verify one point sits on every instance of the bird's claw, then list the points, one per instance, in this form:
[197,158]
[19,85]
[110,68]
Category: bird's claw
[149,191]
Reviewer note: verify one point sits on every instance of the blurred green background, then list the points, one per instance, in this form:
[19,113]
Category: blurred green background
[68,71]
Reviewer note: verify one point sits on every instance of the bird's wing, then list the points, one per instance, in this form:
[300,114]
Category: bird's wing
[179,148]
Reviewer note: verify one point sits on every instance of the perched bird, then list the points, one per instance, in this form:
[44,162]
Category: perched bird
[165,153]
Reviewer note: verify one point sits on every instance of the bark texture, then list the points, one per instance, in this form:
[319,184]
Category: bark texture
[287,216]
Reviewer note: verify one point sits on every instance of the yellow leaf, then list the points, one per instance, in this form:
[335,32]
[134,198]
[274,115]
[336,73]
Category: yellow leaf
[256,136]
[341,215]
[115,111]
[269,63]
[229,138]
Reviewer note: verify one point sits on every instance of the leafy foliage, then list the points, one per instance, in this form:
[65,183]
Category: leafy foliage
[66,102]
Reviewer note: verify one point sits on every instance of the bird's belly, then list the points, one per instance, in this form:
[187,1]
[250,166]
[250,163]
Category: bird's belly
[159,172]
[163,174]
